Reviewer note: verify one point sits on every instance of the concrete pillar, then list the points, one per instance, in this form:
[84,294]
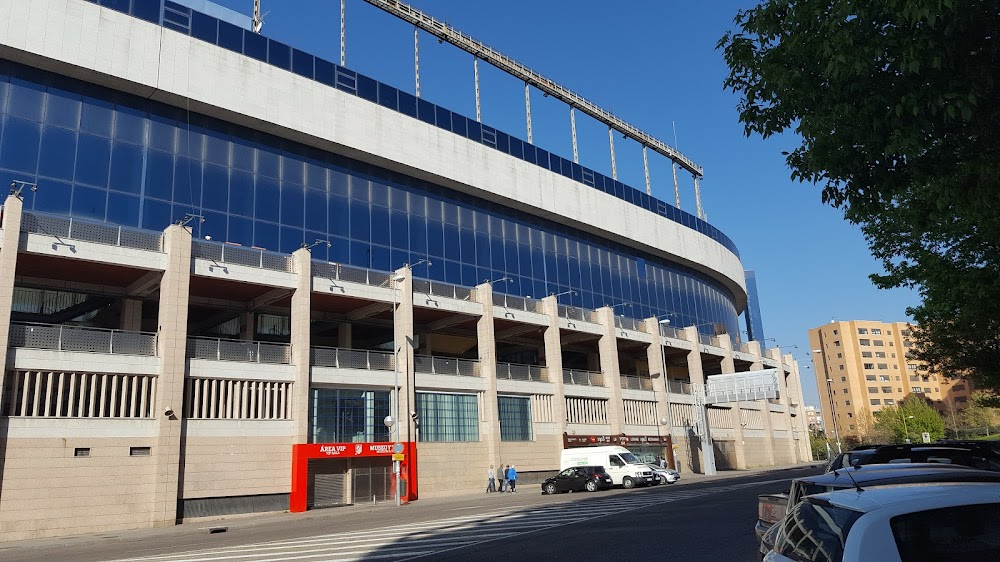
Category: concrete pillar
[786,398]
[248,325]
[705,453]
[301,328]
[404,354]
[658,372]
[553,362]
[489,426]
[806,446]
[345,335]
[172,351]
[131,315]
[764,405]
[608,346]
[735,410]
[8,264]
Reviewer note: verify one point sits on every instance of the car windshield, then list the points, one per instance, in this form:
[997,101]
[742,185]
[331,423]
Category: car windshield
[568,472]
[815,530]
[964,532]
[803,488]
[630,458]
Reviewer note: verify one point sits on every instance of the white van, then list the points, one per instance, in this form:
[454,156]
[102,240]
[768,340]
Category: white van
[623,467]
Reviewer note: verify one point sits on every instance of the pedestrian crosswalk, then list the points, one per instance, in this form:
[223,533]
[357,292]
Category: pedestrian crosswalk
[414,540]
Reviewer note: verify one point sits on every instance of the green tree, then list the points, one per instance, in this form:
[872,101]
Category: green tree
[911,418]
[980,413]
[894,103]
[819,443]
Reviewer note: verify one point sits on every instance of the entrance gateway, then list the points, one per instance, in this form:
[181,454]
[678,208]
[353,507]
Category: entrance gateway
[331,474]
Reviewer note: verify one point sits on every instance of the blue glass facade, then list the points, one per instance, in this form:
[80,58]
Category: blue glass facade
[755,325]
[101,154]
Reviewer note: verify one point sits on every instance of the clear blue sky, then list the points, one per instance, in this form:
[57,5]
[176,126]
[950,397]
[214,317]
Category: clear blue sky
[653,64]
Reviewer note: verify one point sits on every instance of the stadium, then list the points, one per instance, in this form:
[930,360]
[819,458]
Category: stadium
[236,277]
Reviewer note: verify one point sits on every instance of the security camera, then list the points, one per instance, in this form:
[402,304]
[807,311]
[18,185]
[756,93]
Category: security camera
[168,412]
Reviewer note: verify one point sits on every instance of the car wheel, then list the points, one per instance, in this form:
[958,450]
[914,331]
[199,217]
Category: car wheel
[628,483]
[550,488]
[591,486]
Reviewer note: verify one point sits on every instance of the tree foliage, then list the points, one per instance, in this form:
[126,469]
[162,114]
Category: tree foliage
[909,420]
[895,103]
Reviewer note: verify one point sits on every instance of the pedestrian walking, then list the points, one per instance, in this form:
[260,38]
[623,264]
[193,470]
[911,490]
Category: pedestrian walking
[503,478]
[491,485]
[512,479]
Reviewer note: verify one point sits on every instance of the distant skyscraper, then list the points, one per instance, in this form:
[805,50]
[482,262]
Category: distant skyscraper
[755,326]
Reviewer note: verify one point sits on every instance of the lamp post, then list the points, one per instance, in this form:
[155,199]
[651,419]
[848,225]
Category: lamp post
[833,409]
[906,432]
[666,385]
[389,422]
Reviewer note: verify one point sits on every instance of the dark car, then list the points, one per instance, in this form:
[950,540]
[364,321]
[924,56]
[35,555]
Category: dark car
[578,478]
[867,476]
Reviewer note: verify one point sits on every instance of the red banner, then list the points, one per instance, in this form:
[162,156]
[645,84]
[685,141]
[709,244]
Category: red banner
[345,450]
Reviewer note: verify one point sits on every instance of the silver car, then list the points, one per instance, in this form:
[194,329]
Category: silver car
[664,475]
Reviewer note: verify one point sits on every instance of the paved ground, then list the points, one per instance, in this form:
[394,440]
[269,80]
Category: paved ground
[438,528]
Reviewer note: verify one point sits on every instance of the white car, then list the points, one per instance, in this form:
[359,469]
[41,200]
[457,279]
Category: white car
[948,521]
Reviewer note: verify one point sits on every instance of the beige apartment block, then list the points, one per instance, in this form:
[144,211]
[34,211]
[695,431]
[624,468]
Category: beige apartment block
[863,366]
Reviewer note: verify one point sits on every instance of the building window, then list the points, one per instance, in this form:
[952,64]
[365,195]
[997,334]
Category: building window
[897,378]
[81,452]
[835,332]
[880,354]
[862,331]
[847,402]
[888,332]
[869,377]
[515,418]
[448,417]
[905,333]
[873,390]
[349,416]
[866,354]
[875,401]
[843,379]
[845,391]
[907,343]
[883,366]
[841,367]
[884,378]
[958,387]
[836,343]
[869,365]
[890,402]
[864,342]
[139,451]
[911,367]
[918,389]
[899,390]
[962,399]
[914,378]
[886,389]
[850,414]
[878,343]
[840,356]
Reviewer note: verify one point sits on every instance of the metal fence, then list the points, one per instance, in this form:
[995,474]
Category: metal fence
[679,387]
[64,337]
[239,350]
[239,255]
[626,323]
[706,340]
[636,382]
[439,289]
[519,372]
[89,231]
[518,303]
[351,358]
[585,378]
[574,313]
[341,272]
[671,332]
[431,365]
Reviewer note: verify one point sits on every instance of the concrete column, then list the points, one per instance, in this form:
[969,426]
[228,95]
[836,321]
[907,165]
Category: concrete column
[553,362]
[764,405]
[301,329]
[705,453]
[786,398]
[248,325]
[735,410]
[658,372]
[489,427]
[404,354]
[806,446]
[131,315]
[345,335]
[608,346]
[8,265]
[172,351]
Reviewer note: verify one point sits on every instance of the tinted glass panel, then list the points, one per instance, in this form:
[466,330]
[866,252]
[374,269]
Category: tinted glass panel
[230,37]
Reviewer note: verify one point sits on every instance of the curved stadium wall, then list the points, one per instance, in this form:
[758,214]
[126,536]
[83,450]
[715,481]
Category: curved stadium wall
[283,148]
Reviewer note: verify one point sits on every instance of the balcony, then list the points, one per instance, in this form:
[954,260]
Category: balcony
[574,313]
[246,351]
[238,255]
[340,358]
[518,303]
[636,382]
[584,378]
[679,387]
[66,337]
[518,372]
[446,290]
[340,272]
[88,231]
[430,365]
[626,323]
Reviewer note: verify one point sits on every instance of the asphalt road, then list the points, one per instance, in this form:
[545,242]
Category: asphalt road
[705,520]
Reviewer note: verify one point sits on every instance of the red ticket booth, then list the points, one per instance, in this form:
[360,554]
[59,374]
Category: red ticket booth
[316,464]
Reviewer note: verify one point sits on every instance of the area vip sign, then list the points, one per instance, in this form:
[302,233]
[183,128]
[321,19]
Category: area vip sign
[621,440]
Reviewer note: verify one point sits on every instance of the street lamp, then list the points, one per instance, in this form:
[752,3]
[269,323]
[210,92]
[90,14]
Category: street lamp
[906,432]
[389,422]
[666,385]
[833,409]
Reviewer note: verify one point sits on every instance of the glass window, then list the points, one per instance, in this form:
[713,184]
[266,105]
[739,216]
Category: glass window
[241,193]
[56,157]
[159,175]
[204,27]
[950,533]
[230,37]
[26,99]
[302,63]
[448,417]
[815,532]
[20,145]
[123,209]
[292,204]
[187,181]
[349,416]
[268,200]
[126,168]
[216,188]
[316,207]
[62,108]
[57,198]
[92,160]
[279,54]
[89,203]
[96,117]
[515,418]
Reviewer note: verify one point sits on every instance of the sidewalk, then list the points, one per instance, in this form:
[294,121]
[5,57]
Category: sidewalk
[255,527]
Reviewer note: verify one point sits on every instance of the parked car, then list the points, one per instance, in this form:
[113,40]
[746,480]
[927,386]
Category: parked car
[577,479]
[851,458]
[664,475]
[772,507]
[954,521]
[624,468]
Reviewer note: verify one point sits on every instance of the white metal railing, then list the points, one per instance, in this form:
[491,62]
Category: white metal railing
[679,387]
[671,332]
[66,337]
[574,313]
[518,303]
[248,351]
[341,358]
[706,340]
[585,378]
[439,289]
[626,323]
[61,394]
[340,272]
[433,365]
[91,231]
[636,382]
[519,372]
[239,255]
